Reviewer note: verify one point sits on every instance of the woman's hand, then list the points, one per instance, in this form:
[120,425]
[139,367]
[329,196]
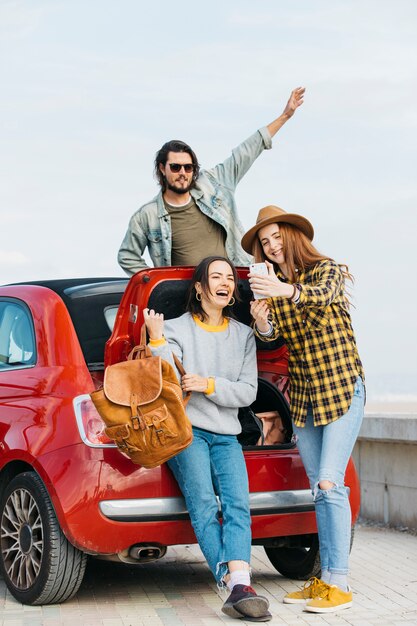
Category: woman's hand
[154,323]
[194,382]
[269,286]
[259,310]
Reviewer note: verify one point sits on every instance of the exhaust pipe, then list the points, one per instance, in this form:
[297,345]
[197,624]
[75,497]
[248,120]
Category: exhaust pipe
[146,552]
[136,554]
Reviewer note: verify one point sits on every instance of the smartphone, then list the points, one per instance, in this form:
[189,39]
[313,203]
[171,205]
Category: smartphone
[258,268]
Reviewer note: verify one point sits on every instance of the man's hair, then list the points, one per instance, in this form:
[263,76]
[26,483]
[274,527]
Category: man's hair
[162,155]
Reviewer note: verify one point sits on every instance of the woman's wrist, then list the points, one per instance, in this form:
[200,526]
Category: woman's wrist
[292,293]
[288,290]
[155,342]
[266,330]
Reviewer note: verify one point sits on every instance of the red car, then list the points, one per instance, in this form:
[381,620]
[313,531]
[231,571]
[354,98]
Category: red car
[67,491]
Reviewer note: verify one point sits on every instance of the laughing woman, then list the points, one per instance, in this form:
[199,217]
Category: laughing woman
[218,353]
[303,300]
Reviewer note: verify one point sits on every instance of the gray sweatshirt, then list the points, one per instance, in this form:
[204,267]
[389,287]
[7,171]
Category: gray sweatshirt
[226,353]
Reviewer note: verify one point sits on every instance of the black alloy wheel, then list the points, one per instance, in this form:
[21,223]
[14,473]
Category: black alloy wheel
[38,563]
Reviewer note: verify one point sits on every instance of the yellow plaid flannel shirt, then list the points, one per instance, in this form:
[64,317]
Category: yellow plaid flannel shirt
[323,358]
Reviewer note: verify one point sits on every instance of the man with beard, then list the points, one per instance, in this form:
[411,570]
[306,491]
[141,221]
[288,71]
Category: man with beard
[195,214]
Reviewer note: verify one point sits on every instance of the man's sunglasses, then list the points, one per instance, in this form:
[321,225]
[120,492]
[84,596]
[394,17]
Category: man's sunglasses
[176,167]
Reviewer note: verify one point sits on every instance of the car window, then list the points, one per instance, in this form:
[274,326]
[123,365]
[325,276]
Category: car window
[110,313]
[17,344]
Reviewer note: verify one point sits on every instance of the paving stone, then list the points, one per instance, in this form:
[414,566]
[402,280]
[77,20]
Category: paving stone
[180,591]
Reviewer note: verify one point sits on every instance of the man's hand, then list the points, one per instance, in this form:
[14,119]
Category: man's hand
[296,100]
[154,323]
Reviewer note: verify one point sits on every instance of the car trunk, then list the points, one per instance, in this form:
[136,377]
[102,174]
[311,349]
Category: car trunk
[165,291]
[277,481]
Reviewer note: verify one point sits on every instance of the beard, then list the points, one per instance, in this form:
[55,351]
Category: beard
[179,190]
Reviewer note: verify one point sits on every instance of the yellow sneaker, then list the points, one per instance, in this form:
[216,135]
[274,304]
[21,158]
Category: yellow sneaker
[333,599]
[313,588]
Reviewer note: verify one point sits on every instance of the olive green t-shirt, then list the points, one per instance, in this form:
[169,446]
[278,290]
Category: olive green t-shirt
[194,235]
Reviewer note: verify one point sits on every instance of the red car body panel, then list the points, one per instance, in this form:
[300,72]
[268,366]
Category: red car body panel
[38,430]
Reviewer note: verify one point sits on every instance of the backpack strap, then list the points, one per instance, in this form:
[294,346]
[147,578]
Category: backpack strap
[178,365]
[144,351]
[141,351]
[182,371]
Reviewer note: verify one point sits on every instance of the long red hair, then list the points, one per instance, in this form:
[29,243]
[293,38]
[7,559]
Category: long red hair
[298,250]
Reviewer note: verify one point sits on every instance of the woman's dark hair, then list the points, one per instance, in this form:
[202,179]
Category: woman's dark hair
[162,155]
[201,275]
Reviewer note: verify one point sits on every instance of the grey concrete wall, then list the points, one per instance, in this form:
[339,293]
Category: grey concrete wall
[385,456]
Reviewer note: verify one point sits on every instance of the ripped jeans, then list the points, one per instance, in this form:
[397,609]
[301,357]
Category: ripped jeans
[325,452]
[214,464]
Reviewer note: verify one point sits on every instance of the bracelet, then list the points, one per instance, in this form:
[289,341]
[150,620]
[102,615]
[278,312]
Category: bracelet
[296,295]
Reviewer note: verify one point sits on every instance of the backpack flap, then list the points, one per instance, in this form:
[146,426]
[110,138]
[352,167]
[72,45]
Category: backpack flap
[141,377]
[142,405]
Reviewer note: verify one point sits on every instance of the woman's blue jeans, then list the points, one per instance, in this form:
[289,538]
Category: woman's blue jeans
[214,464]
[325,452]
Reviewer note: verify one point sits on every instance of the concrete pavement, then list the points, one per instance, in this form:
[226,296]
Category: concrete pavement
[179,591]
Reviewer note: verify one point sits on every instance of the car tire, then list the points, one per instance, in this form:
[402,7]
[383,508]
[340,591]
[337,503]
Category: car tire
[299,563]
[38,563]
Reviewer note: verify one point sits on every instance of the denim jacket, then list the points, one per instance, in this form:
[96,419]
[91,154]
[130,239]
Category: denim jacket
[213,193]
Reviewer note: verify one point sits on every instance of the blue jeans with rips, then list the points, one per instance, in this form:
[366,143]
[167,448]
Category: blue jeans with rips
[214,465]
[325,452]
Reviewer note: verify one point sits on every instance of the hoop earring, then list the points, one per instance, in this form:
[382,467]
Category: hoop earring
[231,303]
[198,296]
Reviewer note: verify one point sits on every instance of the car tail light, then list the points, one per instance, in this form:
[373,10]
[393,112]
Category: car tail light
[90,424]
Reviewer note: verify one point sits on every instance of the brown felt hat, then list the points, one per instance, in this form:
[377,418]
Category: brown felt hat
[274,215]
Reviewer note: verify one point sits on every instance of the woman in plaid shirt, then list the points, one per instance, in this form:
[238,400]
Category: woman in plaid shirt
[303,300]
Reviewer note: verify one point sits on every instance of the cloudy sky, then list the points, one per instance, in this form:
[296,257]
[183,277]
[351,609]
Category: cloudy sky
[92,88]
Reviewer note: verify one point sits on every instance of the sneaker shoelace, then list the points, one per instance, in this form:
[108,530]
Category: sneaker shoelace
[314,586]
[327,592]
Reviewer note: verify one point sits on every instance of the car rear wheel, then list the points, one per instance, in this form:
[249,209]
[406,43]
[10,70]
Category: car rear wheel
[38,564]
[298,563]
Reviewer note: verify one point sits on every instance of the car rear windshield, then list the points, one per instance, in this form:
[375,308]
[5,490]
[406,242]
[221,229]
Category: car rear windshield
[92,304]
[93,309]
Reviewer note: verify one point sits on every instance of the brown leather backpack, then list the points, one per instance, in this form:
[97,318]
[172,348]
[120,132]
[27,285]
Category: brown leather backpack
[142,405]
